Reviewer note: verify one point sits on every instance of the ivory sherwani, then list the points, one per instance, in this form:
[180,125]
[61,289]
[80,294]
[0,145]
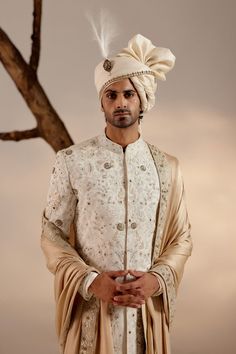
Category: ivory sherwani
[118,203]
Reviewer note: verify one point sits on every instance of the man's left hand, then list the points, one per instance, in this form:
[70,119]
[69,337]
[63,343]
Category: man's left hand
[144,286]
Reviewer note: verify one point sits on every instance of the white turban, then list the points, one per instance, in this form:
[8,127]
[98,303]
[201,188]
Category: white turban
[142,63]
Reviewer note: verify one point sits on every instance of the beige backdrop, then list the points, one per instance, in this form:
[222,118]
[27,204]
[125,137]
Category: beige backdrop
[194,119]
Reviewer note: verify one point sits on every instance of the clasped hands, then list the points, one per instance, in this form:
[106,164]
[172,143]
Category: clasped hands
[130,293]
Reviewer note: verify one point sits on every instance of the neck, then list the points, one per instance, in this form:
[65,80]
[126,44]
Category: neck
[122,136]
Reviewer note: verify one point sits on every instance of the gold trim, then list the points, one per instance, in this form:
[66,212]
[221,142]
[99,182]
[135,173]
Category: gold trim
[164,173]
[126,76]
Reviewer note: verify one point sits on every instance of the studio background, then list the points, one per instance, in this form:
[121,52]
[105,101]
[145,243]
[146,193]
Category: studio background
[194,119]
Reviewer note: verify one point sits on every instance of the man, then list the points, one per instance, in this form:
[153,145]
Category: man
[116,280]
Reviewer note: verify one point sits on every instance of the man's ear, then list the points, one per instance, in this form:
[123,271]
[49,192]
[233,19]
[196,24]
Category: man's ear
[141,114]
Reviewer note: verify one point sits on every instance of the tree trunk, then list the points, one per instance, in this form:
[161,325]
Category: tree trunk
[49,125]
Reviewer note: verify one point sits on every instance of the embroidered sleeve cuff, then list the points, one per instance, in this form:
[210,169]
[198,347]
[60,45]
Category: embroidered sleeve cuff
[85,284]
[160,290]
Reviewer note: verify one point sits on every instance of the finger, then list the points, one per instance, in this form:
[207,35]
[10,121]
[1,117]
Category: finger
[135,284]
[135,292]
[117,273]
[128,299]
[136,273]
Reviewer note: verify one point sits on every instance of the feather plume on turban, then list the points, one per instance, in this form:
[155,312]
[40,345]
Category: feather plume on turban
[142,63]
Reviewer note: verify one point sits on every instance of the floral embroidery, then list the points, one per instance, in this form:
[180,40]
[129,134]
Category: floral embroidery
[164,172]
[54,234]
[168,278]
[89,322]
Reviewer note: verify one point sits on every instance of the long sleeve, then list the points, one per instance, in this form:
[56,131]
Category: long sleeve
[85,284]
[62,258]
[61,200]
[160,290]
[60,209]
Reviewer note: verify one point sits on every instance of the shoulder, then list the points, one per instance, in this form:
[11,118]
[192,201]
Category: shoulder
[84,148]
[167,164]
[77,155]
[163,156]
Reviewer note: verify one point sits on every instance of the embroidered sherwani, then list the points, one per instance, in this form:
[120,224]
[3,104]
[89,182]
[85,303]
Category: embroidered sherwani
[117,202]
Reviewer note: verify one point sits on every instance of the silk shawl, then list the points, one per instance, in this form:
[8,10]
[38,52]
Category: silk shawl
[172,246]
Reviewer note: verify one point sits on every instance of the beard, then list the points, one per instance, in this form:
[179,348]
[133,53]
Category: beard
[122,118]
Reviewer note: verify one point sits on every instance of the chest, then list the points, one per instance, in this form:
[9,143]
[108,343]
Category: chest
[110,179]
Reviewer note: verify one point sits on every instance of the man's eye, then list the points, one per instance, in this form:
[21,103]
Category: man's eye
[129,94]
[111,96]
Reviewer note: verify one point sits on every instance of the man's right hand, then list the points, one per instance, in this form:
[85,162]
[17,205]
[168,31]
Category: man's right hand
[105,287]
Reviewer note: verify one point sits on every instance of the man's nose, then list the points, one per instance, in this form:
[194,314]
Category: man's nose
[121,102]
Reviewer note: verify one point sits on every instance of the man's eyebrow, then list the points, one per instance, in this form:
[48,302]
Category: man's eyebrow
[110,90]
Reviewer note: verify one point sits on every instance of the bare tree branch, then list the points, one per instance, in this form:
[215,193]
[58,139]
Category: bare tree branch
[20,135]
[50,126]
[35,50]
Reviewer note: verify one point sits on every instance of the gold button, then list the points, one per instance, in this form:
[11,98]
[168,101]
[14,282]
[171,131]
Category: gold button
[143,168]
[68,152]
[120,226]
[58,222]
[133,225]
[107,165]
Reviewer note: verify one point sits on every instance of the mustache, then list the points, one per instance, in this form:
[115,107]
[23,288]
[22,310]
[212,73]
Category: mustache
[121,110]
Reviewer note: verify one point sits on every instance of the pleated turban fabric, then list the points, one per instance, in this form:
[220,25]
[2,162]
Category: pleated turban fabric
[142,63]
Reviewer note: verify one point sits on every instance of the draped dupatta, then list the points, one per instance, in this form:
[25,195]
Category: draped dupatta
[171,248]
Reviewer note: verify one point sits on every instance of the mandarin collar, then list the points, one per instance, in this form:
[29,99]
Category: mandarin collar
[134,147]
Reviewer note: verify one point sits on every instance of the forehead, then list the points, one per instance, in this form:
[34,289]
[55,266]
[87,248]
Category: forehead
[122,85]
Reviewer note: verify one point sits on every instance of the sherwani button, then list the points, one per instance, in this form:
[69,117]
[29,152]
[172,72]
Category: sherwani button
[143,168]
[68,152]
[133,225]
[107,165]
[58,222]
[120,227]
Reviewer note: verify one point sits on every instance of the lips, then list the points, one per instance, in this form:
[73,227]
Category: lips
[121,113]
